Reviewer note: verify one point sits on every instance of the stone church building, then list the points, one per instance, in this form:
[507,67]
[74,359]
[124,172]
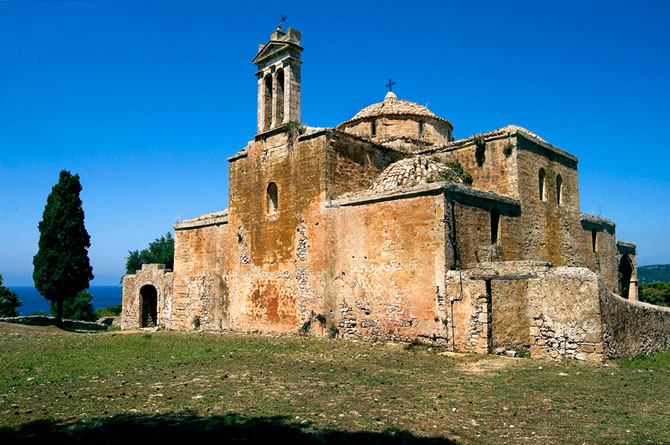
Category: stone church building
[386,227]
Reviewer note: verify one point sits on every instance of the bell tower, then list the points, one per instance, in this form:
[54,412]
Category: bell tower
[278,75]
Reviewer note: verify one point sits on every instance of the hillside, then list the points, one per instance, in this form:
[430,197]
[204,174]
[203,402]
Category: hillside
[656,272]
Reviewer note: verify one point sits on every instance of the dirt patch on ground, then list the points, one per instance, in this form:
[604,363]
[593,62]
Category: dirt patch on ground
[492,363]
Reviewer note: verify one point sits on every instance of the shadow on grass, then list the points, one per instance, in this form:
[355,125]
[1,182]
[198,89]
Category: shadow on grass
[191,429]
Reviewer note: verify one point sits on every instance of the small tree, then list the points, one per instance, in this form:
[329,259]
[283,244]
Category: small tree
[77,307]
[9,301]
[160,251]
[656,293]
[61,266]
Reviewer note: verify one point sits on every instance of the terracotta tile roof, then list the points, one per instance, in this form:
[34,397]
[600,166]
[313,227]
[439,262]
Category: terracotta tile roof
[410,172]
[394,106]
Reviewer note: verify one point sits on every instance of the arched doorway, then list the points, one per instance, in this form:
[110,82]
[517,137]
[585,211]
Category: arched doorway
[625,274]
[149,304]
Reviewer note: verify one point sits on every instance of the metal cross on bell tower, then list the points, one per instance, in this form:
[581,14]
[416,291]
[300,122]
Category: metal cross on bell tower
[282,19]
[390,84]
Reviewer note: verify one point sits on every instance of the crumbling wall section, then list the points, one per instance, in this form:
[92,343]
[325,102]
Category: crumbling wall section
[468,311]
[131,308]
[201,294]
[632,327]
[488,305]
[565,314]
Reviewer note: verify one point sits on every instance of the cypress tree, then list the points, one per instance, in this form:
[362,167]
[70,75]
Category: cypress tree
[61,266]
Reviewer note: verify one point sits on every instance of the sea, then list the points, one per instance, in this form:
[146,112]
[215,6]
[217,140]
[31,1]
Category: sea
[103,296]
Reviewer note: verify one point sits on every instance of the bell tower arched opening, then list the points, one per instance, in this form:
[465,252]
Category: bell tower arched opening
[279,97]
[267,102]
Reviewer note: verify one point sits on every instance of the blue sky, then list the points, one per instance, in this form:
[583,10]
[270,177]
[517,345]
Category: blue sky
[146,100]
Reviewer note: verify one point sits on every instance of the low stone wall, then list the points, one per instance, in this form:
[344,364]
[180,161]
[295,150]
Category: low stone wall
[560,312]
[632,327]
[46,320]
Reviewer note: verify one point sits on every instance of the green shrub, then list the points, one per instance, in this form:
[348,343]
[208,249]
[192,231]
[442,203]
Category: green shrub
[9,301]
[507,149]
[480,148]
[333,331]
[79,307]
[455,173]
[109,311]
[656,293]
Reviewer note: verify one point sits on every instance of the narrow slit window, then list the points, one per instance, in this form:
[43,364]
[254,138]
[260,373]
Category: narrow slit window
[272,198]
[541,177]
[594,238]
[559,190]
[421,129]
[495,225]
[373,128]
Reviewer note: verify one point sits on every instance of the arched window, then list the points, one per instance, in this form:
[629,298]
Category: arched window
[541,176]
[267,103]
[279,97]
[495,225]
[373,128]
[273,205]
[559,189]
[421,129]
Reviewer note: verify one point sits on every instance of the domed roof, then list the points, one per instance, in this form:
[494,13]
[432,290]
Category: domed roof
[413,171]
[393,106]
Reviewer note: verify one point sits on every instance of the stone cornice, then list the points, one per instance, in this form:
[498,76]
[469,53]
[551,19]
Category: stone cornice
[204,222]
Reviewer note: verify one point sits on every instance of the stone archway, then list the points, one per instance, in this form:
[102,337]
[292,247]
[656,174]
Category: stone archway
[625,275]
[149,305]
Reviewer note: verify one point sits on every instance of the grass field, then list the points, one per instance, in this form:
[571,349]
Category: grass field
[150,387]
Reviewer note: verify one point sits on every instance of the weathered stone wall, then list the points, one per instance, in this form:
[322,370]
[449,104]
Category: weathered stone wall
[601,256]
[552,229]
[402,131]
[493,171]
[352,164]
[268,274]
[150,275]
[633,327]
[565,314]
[468,312]
[488,305]
[200,282]
[560,312]
[385,269]
[468,214]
